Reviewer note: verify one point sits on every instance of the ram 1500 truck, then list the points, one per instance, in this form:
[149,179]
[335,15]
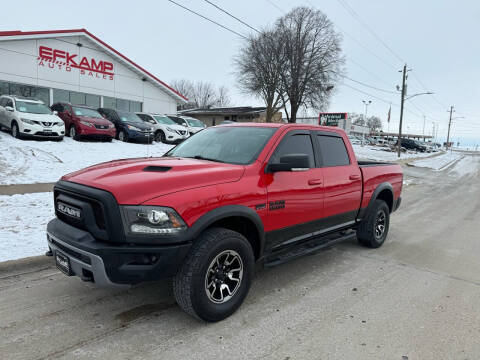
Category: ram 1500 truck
[211,207]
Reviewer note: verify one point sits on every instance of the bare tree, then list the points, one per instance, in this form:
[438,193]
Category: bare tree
[374,123]
[259,70]
[313,58]
[201,94]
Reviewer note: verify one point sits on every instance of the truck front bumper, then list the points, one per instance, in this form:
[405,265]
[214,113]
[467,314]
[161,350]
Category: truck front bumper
[108,264]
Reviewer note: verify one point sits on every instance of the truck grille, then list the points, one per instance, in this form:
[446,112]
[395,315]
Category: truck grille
[89,209]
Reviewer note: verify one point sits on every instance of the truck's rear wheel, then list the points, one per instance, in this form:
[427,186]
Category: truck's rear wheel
[216,275]
[373,230]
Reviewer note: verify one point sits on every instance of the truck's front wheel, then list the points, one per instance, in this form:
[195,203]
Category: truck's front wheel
[216,275]
[373,230]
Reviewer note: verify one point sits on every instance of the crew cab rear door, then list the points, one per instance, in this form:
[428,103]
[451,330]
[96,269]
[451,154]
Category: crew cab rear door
[294,198]
[342,179]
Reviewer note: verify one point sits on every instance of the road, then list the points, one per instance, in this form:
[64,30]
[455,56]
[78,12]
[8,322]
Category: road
[417,297]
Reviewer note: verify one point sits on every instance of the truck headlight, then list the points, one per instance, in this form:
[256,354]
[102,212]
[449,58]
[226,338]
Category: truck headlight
[152,220]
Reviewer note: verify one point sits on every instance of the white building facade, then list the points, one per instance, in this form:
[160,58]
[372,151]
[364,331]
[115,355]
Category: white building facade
[75,66]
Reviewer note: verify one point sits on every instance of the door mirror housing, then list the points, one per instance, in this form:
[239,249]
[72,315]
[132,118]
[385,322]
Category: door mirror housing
[290,162]
[9,108]
[55,112]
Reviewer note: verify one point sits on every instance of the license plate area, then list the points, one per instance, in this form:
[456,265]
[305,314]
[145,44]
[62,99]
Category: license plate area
[63,263]
[47,130]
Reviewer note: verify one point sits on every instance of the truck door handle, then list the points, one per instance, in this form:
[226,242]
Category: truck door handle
[354,177]
[315,182]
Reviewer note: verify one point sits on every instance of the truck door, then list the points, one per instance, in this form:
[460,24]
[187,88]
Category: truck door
[294,198]
[342,180]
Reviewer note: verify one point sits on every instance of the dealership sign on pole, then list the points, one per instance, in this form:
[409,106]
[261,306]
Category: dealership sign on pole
[331,119]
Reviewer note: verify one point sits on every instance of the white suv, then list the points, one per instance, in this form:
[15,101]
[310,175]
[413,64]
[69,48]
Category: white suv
[193,125]
[27,118]
[166,130]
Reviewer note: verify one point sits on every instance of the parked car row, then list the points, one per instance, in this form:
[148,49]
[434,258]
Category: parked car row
[407,144]
[27,118]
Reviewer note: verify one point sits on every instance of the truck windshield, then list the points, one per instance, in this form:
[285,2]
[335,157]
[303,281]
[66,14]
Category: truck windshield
[32,107]
[232,144]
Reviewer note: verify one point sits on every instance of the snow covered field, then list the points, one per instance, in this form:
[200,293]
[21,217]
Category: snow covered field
[368,152]
[30,161]
[23,220]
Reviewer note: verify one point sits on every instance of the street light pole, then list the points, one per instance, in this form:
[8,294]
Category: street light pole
[366,102]
[423,132]
[404,78]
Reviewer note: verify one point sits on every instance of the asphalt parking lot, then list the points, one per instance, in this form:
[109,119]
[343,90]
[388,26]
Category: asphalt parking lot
[417,297]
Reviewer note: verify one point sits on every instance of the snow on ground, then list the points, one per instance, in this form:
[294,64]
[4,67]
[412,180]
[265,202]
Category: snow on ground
[368,152]
[23,221]
[32,161]
[468,165]
[438,162]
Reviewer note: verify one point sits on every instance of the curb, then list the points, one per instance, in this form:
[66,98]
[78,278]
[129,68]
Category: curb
[19,266]
[21,189]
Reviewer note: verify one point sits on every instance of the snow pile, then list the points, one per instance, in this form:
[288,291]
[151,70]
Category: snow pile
[30,161]
[438,162]
[23,221]
[369,152]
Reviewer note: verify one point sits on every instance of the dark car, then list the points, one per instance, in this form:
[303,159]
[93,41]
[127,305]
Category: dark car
[84,122]
[413,145]
[128,125]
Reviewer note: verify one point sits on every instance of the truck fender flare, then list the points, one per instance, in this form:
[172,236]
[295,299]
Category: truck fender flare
[227,211]
[363,213]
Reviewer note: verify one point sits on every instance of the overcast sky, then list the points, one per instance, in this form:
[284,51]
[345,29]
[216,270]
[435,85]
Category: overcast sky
[438,40]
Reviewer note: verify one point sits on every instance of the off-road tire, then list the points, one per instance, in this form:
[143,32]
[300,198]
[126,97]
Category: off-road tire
[366,232]
[189,284]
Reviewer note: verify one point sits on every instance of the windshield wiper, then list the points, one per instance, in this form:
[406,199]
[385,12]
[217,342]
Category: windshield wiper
[200,157]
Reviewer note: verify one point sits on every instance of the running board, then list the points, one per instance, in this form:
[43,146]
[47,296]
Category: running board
[308,247]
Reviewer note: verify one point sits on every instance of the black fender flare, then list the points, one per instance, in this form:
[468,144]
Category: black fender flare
[363,213]
[224,212]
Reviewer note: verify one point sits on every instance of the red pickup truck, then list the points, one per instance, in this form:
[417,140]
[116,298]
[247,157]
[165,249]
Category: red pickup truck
[226,198]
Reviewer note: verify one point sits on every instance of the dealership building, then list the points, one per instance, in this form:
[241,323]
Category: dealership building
[75,66]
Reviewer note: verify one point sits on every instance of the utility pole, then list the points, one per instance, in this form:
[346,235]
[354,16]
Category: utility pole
[399,145]
[423,132]
[449,124]
[366,102]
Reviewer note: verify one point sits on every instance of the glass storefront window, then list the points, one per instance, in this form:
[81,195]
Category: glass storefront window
[30,92]
[77,98]
[3,88]
[109,102]
[123,105]
[92,101]
[135,106]
[61,96]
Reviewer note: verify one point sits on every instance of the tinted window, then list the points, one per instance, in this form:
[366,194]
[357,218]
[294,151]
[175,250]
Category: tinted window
[295,144]
[3,101]
[57,107]
[334,152]
[9,103]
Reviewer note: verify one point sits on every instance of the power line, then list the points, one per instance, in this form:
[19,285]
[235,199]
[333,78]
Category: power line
[370,86]
[232,16]
[275,6]
[208,19]
[355,15]
[368,71]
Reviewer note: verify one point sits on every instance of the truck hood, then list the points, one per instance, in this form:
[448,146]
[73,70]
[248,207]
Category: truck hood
[134,181]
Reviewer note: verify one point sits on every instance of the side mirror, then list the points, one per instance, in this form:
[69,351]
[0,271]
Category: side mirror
[9,108]
[290,162]
[55,112]
[152,122]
